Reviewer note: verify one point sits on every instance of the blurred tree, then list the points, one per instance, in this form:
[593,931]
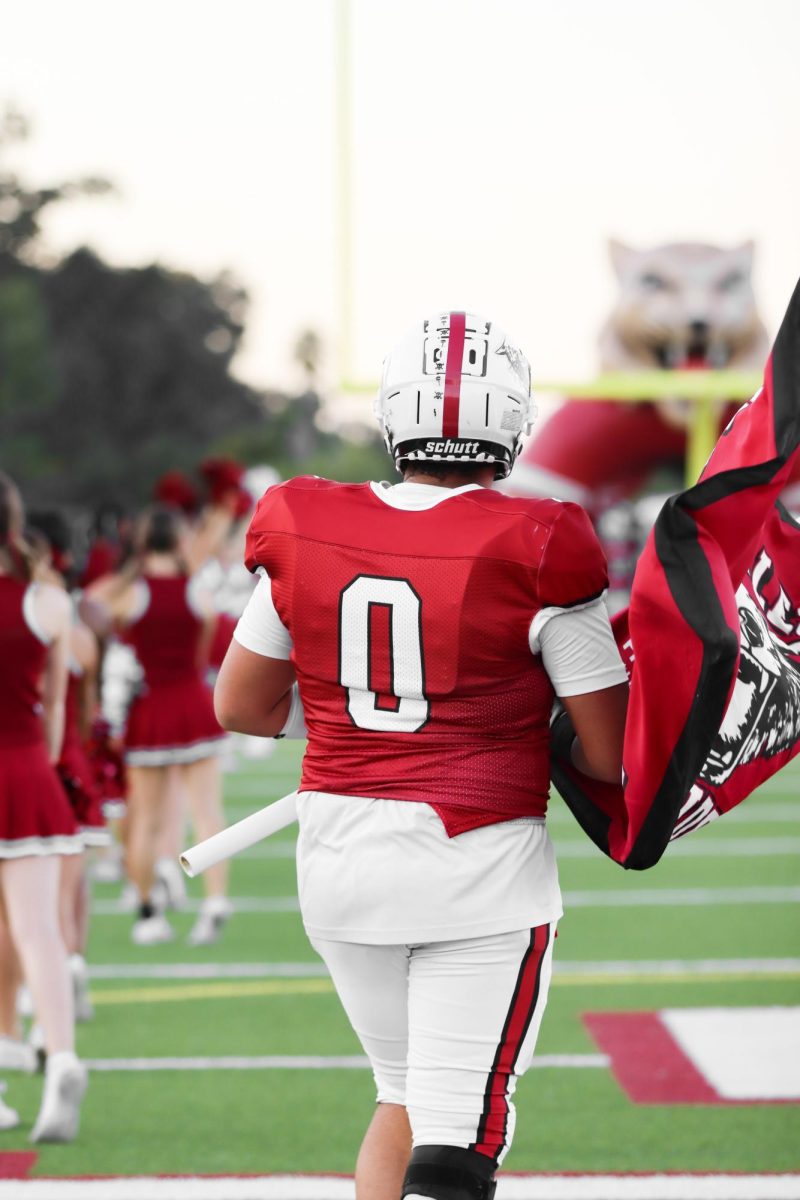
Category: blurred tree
[308,353]
[143,359]
[350,459]
[21,207]
[109,376]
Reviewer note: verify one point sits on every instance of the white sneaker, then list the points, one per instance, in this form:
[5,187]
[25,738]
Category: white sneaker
[151,931]
[84,1010]
[211,920]
[65,1082]
[17,1056]
[9,1117]
[169,874]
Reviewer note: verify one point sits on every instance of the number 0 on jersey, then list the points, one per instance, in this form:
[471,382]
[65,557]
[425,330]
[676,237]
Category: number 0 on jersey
[381,663]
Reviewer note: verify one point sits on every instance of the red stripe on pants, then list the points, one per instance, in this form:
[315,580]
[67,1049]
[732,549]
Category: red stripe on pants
[491,1135]
[452,375]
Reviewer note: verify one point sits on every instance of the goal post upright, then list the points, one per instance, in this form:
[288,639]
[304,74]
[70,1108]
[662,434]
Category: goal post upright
[344,187]
[702,389]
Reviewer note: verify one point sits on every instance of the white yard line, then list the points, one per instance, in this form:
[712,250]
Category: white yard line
[596,898]
[286,970]
[241,904]
[757,812]
[699,847]
[766,812]
[333,1187]
[681,897]
[733,967]
[702,847]
[307,1062]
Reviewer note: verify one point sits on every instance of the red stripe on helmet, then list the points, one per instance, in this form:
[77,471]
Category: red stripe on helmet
[452,374]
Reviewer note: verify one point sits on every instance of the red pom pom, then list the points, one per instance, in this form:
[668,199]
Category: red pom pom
[243,505]
[177,491]
[222,476]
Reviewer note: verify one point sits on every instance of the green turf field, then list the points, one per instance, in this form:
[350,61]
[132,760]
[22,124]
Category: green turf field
[615,951]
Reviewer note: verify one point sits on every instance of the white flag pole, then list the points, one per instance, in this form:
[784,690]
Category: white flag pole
[240,836]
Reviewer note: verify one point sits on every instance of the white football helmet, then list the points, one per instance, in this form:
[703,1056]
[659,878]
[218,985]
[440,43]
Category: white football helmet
[455,390]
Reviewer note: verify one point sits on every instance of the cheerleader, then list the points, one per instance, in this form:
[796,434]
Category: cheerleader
[172,738]
[37,826]
[51,537]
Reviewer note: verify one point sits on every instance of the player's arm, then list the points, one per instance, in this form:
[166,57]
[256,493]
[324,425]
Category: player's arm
[54,618]
[201,602]
[255,690]
[107,601]
[213,527]
[581,658]
[86,650]
[253,693]
[598,719]
[573,634]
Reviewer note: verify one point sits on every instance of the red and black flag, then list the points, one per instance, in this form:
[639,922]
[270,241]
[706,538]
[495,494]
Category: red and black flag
[711,637]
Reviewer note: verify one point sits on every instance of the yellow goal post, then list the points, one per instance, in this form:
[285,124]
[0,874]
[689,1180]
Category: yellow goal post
[707,392]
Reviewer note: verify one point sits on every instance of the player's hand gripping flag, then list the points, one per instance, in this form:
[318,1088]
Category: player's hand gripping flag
[711,637]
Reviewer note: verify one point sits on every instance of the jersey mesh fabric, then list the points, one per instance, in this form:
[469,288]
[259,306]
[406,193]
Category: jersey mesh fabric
[410,634]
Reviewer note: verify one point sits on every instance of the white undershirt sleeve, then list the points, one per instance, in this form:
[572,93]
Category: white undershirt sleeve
[260,629]
[578,650]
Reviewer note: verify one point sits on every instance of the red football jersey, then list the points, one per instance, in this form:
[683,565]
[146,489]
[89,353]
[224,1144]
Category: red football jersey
[410,633]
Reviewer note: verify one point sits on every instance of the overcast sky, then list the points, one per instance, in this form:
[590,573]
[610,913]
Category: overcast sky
[496,146]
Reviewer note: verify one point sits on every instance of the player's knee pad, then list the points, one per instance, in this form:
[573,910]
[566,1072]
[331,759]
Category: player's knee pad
[449,1173]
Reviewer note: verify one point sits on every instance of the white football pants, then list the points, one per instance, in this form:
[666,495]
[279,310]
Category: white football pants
[448,1027]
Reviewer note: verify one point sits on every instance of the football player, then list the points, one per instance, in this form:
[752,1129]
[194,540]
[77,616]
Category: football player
[420,632]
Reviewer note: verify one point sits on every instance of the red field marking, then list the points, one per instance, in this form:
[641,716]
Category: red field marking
[17,1164]
[647,1062]
[650,1066]
[516,1186]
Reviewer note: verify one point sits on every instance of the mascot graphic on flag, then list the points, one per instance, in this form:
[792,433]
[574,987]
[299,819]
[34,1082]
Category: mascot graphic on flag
[763,717]
[711,638]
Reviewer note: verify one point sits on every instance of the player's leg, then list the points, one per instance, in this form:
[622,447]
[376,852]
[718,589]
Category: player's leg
[69,888]
[475,1007]
[383,1158]
[30,893]
[203,784]
[372,983]
[73,917]
[147,788]
[170,839]
[15,1055]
